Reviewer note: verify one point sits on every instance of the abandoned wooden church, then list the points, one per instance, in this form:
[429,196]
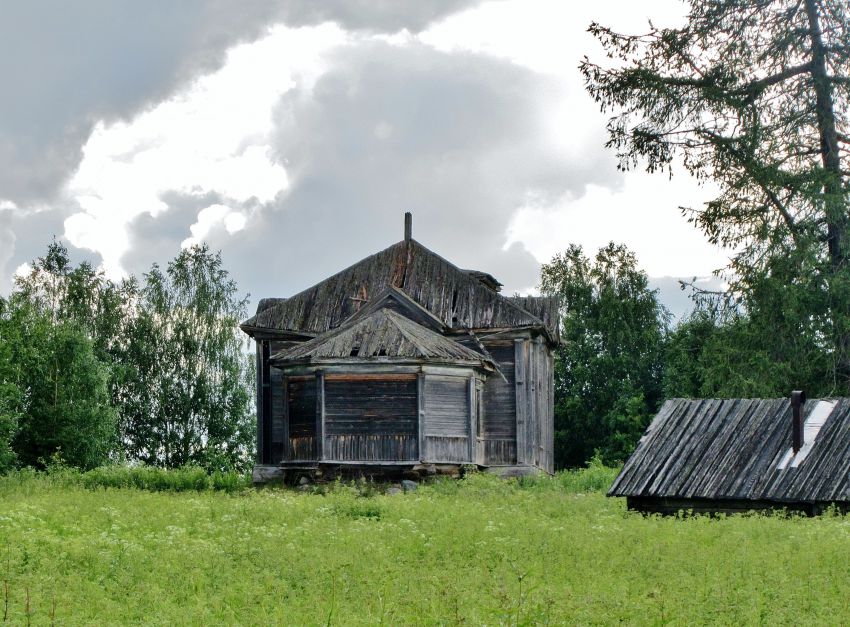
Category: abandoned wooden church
[734,455]
[404,362]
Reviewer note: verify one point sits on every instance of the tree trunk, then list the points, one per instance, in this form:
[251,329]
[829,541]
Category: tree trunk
[835,204]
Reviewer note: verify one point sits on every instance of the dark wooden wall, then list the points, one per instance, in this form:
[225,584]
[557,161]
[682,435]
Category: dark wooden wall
[371,418]
[278,424]
[301,411]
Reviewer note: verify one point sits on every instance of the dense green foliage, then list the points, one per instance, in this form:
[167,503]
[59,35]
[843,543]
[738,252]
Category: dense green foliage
[57,386]
[478,551]
[10,394]
[752,95]
[608,373]
[190,401]
[67,409]
[92,370]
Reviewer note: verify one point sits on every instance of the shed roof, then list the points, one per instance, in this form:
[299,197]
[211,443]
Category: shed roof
[381,333]
[457,298]
[738,449]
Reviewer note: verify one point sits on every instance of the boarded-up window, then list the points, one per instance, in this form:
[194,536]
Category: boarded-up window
[301,399]
[302,407]
[500,397]
[371,406]
[446,406]
[371,419]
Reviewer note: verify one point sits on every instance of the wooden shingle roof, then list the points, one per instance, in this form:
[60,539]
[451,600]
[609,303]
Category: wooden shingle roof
[454,296]
[740,449]
[383,333]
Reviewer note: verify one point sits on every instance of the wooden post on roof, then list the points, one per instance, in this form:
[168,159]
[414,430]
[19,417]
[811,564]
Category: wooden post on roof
[408,226]
[320,415]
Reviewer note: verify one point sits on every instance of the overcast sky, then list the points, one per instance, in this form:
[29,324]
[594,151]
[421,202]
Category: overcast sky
[292,136]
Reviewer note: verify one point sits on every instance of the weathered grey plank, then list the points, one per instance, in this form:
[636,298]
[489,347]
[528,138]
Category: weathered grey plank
[729,451]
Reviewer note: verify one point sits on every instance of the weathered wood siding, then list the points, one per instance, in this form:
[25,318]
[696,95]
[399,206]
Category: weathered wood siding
[447,419]
[301,408]
[541,401]
[278,417]
[535,403]
[497,436]
[732,449]
[371,418]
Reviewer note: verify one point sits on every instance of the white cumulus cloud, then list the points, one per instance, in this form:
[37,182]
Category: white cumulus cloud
[215,137]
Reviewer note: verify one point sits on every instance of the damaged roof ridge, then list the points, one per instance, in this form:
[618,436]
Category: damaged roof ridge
[333,276]
[405,327]
[296,313]
[499,296]
[396,318]
[391,290]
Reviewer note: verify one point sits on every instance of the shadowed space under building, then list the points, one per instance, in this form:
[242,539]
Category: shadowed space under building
[741,454]
[404,362]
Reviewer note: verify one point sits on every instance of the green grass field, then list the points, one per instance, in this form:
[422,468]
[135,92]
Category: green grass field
[476,551]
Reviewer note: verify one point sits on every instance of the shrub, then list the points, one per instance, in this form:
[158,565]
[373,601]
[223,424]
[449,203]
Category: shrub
[185,479]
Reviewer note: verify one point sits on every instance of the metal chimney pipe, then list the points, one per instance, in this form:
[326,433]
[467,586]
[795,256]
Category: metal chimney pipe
[798,398]
[408,226]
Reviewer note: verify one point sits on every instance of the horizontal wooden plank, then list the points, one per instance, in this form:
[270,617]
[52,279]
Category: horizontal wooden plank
[370,377]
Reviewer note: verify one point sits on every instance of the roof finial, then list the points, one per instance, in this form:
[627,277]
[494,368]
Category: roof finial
[408,226]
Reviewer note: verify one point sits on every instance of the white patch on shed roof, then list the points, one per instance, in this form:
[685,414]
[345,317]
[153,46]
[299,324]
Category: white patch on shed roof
[811,428]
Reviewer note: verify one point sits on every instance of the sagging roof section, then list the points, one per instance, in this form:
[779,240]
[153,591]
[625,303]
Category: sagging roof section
[452,295]
[381,334]
[733,449]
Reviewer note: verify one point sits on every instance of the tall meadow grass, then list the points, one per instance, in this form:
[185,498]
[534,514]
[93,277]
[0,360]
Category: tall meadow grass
[96,549]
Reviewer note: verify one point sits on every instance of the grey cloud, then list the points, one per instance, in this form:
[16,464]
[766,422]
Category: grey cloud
[24,236]
[7,249]
[64,66]
[385,16]
[157,239]
[678,301]
[454,138]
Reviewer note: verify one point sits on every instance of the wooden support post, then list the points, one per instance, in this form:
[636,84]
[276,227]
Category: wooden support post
[287,445]
[420,387]
[266,422]
[259,371]
[534,414]
[521,401]
[320,415]
[479,421]
[472,428]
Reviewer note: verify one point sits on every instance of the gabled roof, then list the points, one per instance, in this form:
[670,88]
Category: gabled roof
[381,333]
[394,299]
[740,449]
[456,298]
